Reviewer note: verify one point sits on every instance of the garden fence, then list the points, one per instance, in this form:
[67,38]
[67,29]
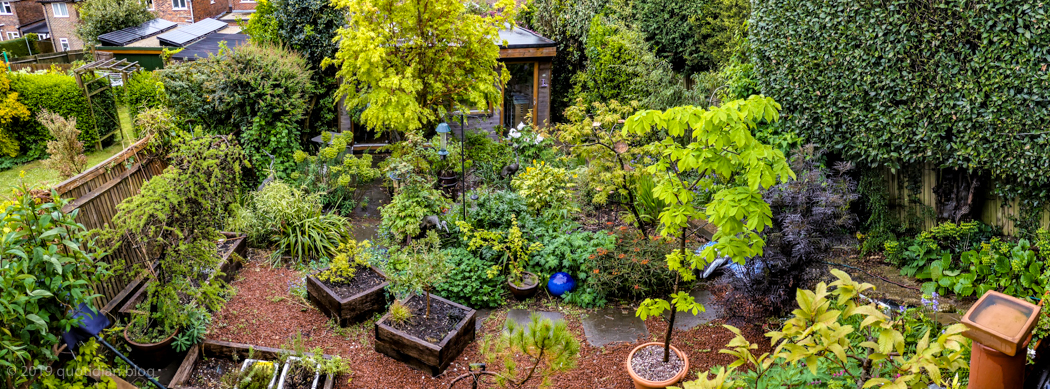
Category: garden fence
[993,210]
[57,57]
[96,193]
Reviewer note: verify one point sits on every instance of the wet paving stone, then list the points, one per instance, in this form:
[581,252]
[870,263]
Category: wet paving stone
[612,325]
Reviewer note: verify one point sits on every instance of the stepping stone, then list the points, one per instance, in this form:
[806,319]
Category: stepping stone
[524,317]
[479,318]
[686,320]
[611,325]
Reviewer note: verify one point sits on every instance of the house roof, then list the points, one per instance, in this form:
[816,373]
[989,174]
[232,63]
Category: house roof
[134,34]
[521,38]
[36,27]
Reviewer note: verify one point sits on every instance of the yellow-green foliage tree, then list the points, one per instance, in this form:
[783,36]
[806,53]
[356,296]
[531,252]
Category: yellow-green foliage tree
[710,150]
[10,110]
[406,62]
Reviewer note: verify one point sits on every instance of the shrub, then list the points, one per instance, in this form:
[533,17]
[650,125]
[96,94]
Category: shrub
[258,92]
[67,153]
[511,244]
[341,268]
[98,17]
[420,266]
[334,173]
[143,91]
[156,121]
[175,218]
[48,267]
[468,282]
[909,81]
[494,208]
[11,111]
[548,346]
[574,253]
[415,200]
[60,94]
[633,267]
[547,190]
[811,215]
[847,342]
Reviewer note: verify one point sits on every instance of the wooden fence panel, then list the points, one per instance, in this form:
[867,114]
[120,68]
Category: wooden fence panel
[96,193]
[994,210]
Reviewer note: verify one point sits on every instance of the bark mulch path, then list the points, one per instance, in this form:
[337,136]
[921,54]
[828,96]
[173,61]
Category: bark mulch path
[264,313]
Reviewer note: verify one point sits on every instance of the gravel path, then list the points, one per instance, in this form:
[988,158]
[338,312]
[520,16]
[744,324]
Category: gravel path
[264,313]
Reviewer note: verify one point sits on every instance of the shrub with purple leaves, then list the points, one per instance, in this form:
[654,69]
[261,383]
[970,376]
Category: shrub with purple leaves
[811,217]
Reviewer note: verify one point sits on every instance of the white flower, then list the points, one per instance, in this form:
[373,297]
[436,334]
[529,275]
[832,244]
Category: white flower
[514,133]
[521,125]
[539,138]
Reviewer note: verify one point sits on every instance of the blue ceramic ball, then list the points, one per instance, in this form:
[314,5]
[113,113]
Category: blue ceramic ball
[560,283]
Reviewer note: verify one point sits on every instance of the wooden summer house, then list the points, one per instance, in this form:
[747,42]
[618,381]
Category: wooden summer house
[528,57]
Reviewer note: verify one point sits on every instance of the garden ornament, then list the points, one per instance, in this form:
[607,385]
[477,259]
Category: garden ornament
[509,170]
[714,265]
[433,222]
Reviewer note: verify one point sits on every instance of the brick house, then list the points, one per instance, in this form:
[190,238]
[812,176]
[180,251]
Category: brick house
[187,11]
[62,17]
[242,5]
[17,16]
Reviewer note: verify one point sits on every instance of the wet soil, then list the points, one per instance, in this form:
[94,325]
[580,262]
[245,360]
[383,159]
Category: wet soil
[299,377]
[892,287]
[433,328]
[363,280]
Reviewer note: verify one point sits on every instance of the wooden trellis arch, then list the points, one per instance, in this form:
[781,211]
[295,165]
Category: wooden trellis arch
[96,85]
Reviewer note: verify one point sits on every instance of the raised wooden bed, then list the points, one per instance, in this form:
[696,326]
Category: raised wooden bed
[229,266]
[418,353]
[220,349]
[347,310]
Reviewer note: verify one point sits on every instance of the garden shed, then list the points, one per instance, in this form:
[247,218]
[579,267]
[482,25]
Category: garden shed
[528,57]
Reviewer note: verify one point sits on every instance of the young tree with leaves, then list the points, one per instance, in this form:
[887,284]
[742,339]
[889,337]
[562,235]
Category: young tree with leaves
[98,17]
[10,111]
[710,150]
[66,151]
[595,132]
[408,62]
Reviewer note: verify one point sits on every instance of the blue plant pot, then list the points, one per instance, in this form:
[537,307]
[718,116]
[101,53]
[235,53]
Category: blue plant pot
[560,283]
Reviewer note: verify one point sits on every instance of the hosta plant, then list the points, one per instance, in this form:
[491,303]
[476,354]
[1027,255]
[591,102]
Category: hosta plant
[836,334]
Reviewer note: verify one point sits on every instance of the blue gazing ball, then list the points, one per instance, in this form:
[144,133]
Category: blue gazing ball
[560,283]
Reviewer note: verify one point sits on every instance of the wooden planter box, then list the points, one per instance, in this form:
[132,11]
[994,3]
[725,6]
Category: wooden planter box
[220,349]
[229,266]
[418,353]
[351,309]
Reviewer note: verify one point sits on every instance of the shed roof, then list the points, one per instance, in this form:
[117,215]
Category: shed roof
[209,45]
[136,33]
[521,38]
[186,35]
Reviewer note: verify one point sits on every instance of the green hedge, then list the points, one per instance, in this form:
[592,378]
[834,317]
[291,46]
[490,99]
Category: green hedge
[59,93]
[17,47]
[959,83]
[142,91]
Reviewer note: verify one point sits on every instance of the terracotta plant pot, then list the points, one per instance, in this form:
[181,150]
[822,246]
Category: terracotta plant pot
[526,291]
[642,383]
[152,354]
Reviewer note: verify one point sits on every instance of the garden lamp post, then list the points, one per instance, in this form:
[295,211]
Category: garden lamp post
[443,130]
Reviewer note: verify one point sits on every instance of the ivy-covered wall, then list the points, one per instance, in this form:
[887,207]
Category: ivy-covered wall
[957,83]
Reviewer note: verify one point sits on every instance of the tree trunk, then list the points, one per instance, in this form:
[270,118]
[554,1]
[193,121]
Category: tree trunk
[670,322]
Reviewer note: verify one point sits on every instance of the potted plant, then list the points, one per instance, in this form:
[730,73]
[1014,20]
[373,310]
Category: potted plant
[736,207]
[425,331]
[516,251]
[172,222]
[304,370]
[350,289]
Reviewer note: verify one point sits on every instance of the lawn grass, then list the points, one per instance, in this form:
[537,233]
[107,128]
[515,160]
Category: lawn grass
[37,175]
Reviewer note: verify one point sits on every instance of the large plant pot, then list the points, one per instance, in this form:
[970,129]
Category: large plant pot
[527,290]
[420,354]
[448,182]
[347,310]
[642,383]
[152,354]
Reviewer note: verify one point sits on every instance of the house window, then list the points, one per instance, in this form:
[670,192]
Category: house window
[60,10]
[42,36]
[519,97]
[149,4]
[178,4]
[12,34]
[5,8]
[64,43]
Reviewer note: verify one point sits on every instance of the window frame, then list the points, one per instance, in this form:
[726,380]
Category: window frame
[150,5]
[63,43]
[8,6]
[13,35]
[535,88]
[185,5]
[65,10]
